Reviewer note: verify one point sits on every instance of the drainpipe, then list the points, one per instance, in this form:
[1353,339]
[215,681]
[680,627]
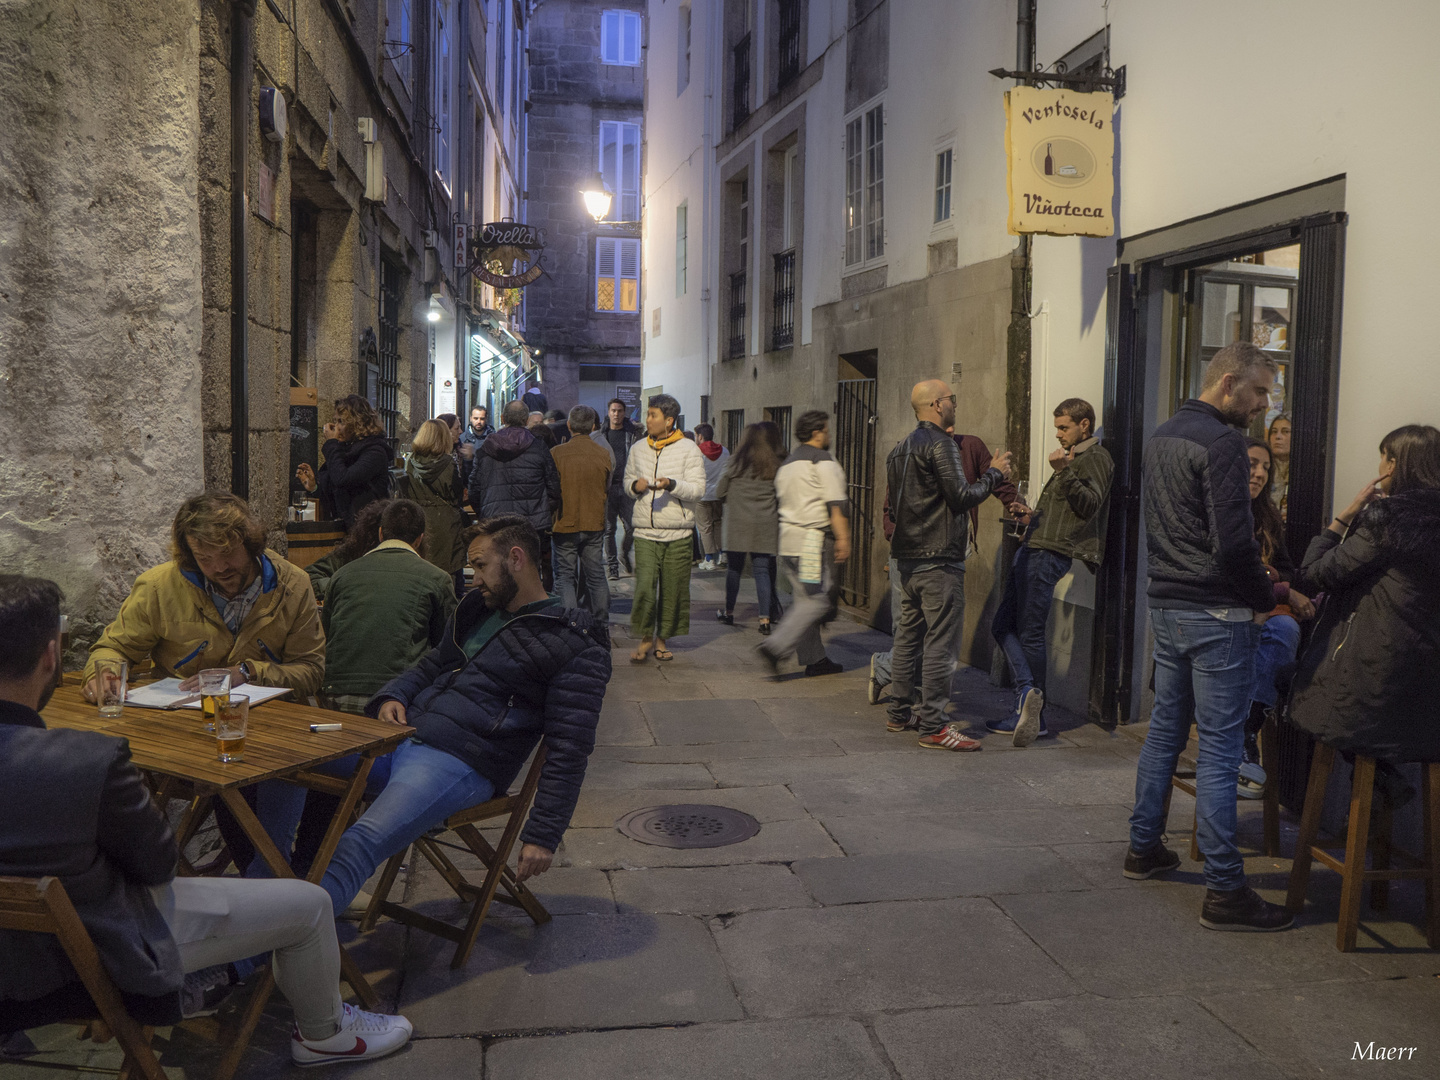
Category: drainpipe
[1017,382]
[242,67]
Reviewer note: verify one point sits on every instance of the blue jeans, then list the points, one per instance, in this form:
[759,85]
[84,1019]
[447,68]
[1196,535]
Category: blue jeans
[1206,667]
[584,550]
[422,786]
[763,567]
[1019,623]
[1274,657]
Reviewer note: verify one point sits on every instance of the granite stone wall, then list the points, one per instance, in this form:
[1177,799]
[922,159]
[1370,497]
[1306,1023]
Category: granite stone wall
[100,291]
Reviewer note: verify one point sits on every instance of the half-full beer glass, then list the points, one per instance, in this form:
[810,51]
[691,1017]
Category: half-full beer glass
[232,713]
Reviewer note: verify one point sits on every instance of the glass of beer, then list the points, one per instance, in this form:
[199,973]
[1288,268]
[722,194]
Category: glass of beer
[110,677]
[232,712]
[214,685]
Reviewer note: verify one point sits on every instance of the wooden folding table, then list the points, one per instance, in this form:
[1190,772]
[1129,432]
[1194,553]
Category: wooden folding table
[182,759]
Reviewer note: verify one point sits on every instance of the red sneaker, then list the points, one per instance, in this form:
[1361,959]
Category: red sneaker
[950,737]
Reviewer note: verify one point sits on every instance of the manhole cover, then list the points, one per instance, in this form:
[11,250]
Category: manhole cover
[688,825]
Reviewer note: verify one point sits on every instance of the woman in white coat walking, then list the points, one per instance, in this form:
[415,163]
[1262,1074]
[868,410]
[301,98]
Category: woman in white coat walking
[665,475]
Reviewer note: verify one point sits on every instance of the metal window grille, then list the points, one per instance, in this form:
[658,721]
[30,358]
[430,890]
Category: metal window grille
[855,451]
[784,331]
[789,41]
[734,428]
[737,315]
[780,416]
[387,383]
[740,99]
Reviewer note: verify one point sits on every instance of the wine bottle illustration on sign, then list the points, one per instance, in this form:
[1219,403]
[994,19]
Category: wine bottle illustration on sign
[1049,162]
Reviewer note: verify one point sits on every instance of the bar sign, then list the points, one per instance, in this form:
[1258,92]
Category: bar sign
[462,245]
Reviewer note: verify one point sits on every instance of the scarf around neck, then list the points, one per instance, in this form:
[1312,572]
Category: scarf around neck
[660,444]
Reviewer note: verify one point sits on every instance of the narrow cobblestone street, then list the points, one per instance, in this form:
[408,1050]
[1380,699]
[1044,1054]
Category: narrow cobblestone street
[901,913]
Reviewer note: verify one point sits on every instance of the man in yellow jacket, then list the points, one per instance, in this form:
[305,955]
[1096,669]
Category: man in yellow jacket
[222,600]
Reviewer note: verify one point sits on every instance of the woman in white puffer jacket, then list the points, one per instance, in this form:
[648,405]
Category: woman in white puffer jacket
[665,475]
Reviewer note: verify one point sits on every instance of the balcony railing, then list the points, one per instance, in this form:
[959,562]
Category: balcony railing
[737,315]
[789,65]
[740,100]
[783,335]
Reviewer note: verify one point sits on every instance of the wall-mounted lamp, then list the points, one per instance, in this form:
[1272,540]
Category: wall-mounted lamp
[597,197]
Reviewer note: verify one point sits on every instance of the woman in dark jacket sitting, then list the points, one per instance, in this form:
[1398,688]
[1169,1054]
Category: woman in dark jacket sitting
[1280,635]
[357,461]
[1370,681]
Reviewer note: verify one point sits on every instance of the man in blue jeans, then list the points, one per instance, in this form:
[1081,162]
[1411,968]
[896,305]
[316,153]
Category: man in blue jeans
[517,667]
[1208,594]
[1068,522]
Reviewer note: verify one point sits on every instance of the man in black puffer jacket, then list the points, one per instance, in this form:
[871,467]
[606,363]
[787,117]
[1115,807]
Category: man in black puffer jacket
[1207,589]
[515,668]
[515,474]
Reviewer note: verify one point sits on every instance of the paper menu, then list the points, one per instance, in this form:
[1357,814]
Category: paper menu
[166,692]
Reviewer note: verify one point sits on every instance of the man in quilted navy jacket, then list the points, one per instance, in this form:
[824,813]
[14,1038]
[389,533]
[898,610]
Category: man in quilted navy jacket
[1209,593]
[515,667]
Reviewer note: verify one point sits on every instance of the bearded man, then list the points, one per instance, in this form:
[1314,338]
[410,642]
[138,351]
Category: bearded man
[515,667]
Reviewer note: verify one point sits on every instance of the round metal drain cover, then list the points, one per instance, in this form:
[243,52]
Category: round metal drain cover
[688,825]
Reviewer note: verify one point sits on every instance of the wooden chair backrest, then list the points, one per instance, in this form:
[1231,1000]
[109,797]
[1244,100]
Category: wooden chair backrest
[41,906]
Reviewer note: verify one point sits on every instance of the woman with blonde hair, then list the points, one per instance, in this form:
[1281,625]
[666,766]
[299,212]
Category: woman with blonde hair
[432,480]
[357,461]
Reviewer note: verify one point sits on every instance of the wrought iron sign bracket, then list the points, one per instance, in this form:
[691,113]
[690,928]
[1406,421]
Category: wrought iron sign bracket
[1114,81]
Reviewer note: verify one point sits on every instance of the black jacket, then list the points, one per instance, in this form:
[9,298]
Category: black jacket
[473,439]
[1199,531]
[929,497]
[543,674]
[73,805]
[630,432]
[515,474]
[353,476]
[1369,680]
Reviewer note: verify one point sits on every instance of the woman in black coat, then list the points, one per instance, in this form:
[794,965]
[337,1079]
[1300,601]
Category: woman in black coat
[1370,680]
[357,462]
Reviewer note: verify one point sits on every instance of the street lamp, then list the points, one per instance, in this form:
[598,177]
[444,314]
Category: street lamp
[597,197]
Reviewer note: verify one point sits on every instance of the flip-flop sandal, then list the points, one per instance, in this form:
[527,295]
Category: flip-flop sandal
[664,654]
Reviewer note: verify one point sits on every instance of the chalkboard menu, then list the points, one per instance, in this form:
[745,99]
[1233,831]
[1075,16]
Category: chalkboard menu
[304,432]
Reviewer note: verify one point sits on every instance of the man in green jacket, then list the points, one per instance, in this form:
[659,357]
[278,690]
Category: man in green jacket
[1068,522]
[384,611]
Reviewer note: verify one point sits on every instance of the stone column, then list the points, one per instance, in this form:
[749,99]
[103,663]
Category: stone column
[100,298]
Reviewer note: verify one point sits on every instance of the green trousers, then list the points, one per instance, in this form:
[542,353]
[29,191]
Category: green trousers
[661,606]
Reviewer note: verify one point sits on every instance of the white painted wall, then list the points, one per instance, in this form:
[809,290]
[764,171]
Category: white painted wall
[1232,101]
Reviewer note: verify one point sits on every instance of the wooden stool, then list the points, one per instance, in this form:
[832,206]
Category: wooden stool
[1351,866]
[1184,780]
[513,809]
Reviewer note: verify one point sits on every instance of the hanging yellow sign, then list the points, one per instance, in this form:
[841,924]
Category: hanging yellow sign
[1061,149]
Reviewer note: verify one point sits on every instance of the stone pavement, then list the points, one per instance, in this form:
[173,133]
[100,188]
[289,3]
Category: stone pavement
[901,913]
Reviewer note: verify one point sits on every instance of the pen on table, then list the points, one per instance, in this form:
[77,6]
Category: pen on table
[327,727]
[183,702]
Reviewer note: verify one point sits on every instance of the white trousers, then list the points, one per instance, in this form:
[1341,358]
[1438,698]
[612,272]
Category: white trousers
[221,920]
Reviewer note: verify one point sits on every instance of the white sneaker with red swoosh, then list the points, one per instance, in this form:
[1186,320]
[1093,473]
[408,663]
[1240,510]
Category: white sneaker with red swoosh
[362,1036]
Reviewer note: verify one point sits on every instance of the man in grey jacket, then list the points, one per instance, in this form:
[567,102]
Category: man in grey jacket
[73,805]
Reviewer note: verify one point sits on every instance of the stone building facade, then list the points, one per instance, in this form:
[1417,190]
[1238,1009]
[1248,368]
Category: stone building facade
[587,97]
[372,128]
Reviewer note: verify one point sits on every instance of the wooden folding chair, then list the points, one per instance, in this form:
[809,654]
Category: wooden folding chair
[40,906]
[513,808]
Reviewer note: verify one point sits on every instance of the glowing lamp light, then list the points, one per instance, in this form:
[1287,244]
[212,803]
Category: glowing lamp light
[433,314]
[597,197]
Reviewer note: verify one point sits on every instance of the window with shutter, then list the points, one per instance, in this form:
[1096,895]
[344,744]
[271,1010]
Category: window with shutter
[682,215]
[620,38]
[443,76]
[865,187]
[605,260]
[620,168]
[629,275]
